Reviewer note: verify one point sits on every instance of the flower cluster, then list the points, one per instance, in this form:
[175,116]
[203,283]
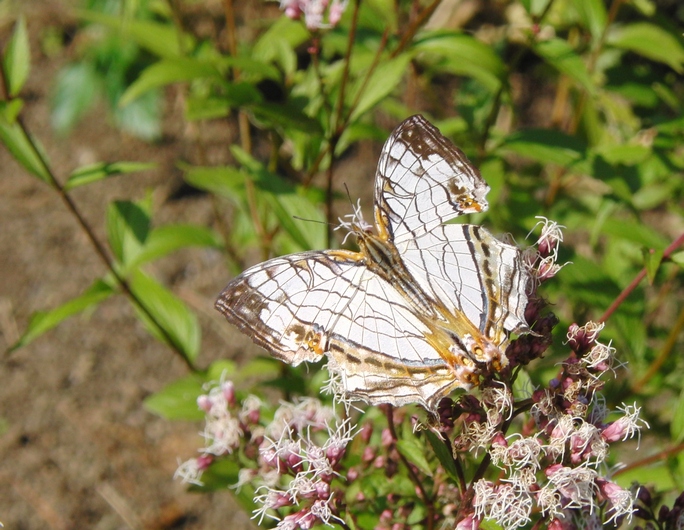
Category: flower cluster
[557,463]
[297,454]
[314,11]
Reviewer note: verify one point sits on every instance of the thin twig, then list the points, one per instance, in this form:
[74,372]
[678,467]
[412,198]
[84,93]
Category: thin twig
[100,249]
[637,280]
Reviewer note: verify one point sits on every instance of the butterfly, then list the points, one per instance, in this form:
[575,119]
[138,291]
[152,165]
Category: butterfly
[423,307]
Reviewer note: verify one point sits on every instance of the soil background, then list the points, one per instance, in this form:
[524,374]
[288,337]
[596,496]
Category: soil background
[78,448]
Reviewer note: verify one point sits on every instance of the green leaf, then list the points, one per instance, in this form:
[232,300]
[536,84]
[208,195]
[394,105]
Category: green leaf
[234,95]
[559,54]
[250,68]
[594,16]
[10,110]
[634,231]
[142,116]
[43,321]
[678,258]
[168,71]
[128,225]
[628,155]
[282,198]
[161,39]
[74,92]
[545,146]
[166,239]
[103,170]
[178,401]
[285,33]
[652,260]
[261,367]
[463,55]
[17,58]
[19,145]
[415,453]
[650,41]
[382,82]
[224,181]
[220,369]
[286,116]
[179,324]
[444,455]
[677,425]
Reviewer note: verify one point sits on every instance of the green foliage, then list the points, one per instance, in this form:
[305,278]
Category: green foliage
[572,110]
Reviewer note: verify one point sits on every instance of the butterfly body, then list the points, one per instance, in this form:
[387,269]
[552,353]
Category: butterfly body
[422,309]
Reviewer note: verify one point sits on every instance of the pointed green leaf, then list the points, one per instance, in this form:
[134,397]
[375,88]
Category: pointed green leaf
[178,401]
[166,239]
[634,231]
[283,200]
[444,455]
[284,33]
[128,225]
[594,15]
[652,260]
[18,144]
[250,68]
[224,181]
[559,54]
[545,146]
[286,116]
[650,41]
[220,370]
[17,58]
[381,83]
[102,170]
[162,39]
[678,258]
[75,90]
[142,116]
[166,72]
[463,55]
[43,321]
[179,324]
[415,454]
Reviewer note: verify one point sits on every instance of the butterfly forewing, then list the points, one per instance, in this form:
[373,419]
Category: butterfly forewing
[422,181]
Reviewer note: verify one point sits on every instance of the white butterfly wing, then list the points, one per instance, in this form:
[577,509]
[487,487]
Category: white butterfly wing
[304,306]
[422,181]
[474,274]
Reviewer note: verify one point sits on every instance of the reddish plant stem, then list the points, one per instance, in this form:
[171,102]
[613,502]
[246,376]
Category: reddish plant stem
[637,280]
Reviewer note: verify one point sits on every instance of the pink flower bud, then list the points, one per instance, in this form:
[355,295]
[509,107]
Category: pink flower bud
[204,461]
[366,432]
[204,403]
[228,389]
[468,523]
